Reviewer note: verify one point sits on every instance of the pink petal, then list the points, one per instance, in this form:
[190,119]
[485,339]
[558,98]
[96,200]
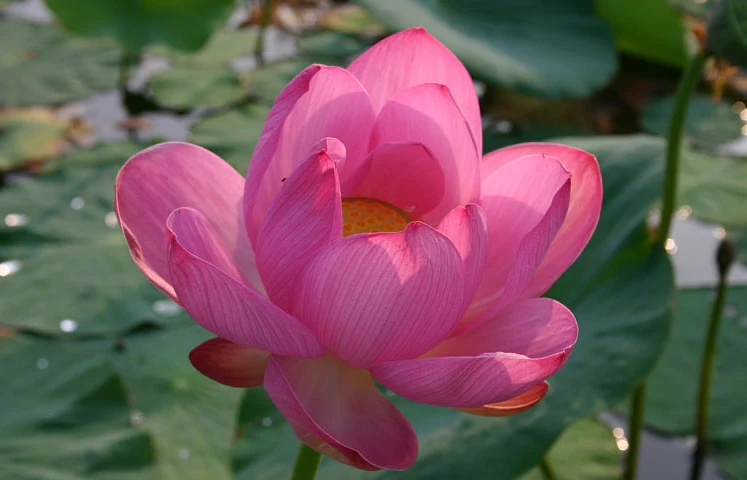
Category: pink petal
[524,202]
[383,296]
[413,57]
[320,102]
[229,363]
[170,175]
[519,404]
[500,360]
[402,174]
[304,217]
[339,411]
[583,210]
[467,229]
[222,304]
[428,115]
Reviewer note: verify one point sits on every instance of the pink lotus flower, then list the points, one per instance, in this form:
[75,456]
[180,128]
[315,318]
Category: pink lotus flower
[370,242]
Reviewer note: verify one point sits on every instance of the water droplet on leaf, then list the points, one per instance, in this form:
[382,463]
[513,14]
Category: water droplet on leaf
[166,308]
[16,220]
[10,267]
[68,325]
[77,203]
[42,363]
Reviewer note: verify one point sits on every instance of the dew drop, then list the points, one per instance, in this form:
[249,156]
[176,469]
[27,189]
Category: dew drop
[503,126]
[730,310]
[684,212]
[137,418]
[622,444]
[670,246]
[183,453]
[390,394]
[266,422]
[719,233]
[42,363]
[166,308]
[618,432]
[653,218]
[68,325]
[16,220]
[111,220]
[10,267]
[77,203]
[743,322]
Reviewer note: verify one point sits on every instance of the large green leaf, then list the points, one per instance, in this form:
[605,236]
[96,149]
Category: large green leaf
[28,135]
[554,48]
[61,243]
[71,406]
[708,124]
[232,135]
[651,29]
[191,418]
[672,390]
[619,289]
[189,87]
[39,66]
[727,31]
[713,184]
[183,25]
[65,414]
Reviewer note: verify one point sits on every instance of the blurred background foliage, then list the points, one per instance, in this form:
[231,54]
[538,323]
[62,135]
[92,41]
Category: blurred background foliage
[96,381]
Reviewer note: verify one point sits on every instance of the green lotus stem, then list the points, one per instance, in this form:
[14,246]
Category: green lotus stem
[725,258]
[634,432]
[685,89]
[307,463]
[547,469]
[259,49]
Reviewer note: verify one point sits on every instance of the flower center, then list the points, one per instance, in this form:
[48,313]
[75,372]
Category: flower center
[366,215]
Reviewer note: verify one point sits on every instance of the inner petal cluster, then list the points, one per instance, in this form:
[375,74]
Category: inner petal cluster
[367,215]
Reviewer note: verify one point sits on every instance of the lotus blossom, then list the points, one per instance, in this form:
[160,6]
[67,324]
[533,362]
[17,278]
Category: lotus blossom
[370,242]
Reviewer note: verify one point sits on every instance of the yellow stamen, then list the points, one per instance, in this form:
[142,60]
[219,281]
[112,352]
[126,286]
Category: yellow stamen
[366,215]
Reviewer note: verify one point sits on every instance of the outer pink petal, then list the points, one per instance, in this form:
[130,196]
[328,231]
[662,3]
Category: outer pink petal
[524,345]
[517,200]
[170,175]
[467,229]
[428,114]
[222,304]
[519,404]
[402,174]
[303,218]
[320,102]
[339,411]
[229,363]
[383,296]
[583,210]
[413,57]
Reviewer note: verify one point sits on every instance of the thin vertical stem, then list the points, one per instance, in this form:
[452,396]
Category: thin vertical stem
[307,463]
[685,89]
[635,429]
[259,49]
[548,471]
[725,259]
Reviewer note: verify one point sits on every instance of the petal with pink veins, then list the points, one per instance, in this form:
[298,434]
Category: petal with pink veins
[338,411]
[583,210]
[303,218]
[402,174]
[427,114]
[467,229]
[171,175]
[414,57]
[230,363]
[320,102]
[379,297]
[220,303]
[495,362]
[524,202]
